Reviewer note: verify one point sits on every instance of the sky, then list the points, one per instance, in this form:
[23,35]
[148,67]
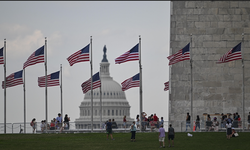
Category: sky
[68,27]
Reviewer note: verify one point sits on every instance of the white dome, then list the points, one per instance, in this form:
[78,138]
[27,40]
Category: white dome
[114,102]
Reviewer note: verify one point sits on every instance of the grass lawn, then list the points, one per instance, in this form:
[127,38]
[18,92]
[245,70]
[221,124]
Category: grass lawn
[144,141]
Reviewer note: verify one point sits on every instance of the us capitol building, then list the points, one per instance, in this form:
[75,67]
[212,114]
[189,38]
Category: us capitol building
[114,102]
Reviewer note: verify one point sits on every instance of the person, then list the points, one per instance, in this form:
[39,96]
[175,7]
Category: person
[229,118]
[234,133]
[33,124]
[239,121]
[124,122]
[114,125]
[188,121]
[171,135]
[162,121]
[248,120]
[162,136]
[208,117]
[52,125]
[66,120]
[197,123]
[109,130]
[143,120]
[222,120]
[65,126]
[42,126]
[59,120]
[133,131]
[215,124]
[137,121]
[229,130]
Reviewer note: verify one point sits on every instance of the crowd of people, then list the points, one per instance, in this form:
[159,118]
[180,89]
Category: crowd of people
[56,124]
[213,124]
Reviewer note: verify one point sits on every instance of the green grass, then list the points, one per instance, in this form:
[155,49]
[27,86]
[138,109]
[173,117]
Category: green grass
[144,141]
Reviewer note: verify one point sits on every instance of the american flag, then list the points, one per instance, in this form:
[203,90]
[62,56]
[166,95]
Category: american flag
[233,54]
[86,86]
[52,80]
[79,56]
[14,79]
[1,56]
[166,86]
[131,82]
[36,57]
[130,55]
[181,55]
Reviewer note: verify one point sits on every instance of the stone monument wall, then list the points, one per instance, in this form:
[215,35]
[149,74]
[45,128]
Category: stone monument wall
[216,27]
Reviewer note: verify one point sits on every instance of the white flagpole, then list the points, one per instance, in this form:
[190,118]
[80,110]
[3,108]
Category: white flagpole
[140,67]
[91,66]
[243,86]
[101,105]
[46,92]
[24,100]
[191,81]
[61,91]
[4,86]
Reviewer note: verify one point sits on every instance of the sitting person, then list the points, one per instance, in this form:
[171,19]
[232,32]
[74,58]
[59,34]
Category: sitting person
[52,125]
[43,126]
[234,133]
[208,125]
[215,124]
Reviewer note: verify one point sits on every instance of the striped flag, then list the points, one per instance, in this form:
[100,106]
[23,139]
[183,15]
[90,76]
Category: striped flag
[233,54]
[166,86]
[130,55]
[14,79]
[79,56]
[52,80]
[1,56]
[181,55]
[36,57]
[131,82]
[86,86]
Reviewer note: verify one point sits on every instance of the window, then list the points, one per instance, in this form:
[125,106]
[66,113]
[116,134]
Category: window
[113,113]
[108,112]
[95,112]
[120,112]
[88,113]
[116,113]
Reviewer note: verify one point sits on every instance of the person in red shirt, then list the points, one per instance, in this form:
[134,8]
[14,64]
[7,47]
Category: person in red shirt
[155,117]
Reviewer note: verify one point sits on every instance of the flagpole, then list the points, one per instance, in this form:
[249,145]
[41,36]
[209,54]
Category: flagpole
[4,86]
[191,81]
[91,67]
[46,92]
[101,105]
[61,91]
[243,86]
[140,67]
[24,100]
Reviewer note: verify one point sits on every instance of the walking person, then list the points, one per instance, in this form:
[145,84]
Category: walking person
[188,121]
[197,122]
[33,124]
[66,120]
[133,131]
[124,122]
[109,130]
[137,121]
[171,134]
[162,136]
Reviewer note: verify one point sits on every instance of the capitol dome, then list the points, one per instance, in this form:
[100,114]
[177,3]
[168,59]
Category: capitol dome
[114,102]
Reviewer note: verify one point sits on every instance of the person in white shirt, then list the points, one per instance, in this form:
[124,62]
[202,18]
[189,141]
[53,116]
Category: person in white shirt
[229,129]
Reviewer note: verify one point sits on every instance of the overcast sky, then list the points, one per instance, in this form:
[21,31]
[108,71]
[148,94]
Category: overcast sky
[68,27]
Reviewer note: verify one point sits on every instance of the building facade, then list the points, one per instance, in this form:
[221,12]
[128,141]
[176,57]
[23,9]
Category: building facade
[212,28]
[114,102]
